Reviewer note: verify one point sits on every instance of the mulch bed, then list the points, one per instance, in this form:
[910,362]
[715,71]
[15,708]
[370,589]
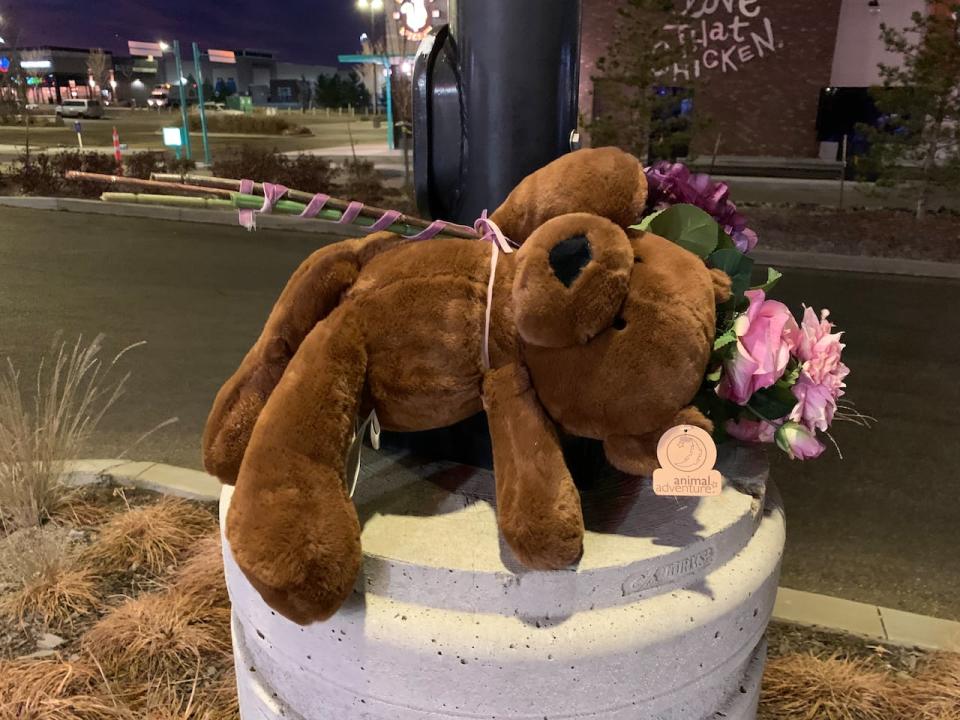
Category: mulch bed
[873,233]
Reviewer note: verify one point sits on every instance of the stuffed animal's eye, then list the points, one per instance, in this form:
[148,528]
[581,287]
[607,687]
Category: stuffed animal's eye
[619,323]
[637,259]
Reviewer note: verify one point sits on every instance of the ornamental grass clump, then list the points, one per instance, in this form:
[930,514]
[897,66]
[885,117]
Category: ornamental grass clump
[806,687]
[54,690]
[50,585]
[158,637]
[153,536]
[200,577]
[38,435]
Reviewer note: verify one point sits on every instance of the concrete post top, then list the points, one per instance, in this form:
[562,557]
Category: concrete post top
[430,536]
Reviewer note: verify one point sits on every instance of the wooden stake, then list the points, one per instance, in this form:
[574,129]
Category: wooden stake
[461,231]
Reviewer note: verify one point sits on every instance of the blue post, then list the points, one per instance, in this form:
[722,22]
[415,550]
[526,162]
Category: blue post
[390,129]
[203,112]
[183,101]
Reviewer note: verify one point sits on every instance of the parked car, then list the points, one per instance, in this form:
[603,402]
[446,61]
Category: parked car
[159,98]
[80,108]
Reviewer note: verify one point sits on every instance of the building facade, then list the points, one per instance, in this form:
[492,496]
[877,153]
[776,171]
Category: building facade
[761,66]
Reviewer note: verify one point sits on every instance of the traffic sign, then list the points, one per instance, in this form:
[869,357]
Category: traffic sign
[77,127]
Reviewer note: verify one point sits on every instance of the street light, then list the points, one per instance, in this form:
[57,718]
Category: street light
[163,46]
[374,6]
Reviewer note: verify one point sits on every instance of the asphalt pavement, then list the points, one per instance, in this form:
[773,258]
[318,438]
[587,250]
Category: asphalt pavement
[879,526]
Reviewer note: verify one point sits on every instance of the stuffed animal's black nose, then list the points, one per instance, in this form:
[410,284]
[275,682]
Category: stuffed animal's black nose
[569,257]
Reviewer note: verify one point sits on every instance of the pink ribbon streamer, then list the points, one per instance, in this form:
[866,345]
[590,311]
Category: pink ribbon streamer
[491,232]
[271,194]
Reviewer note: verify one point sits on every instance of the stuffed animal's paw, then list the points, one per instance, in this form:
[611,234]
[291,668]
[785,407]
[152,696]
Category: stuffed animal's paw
[303,571]
[545,541]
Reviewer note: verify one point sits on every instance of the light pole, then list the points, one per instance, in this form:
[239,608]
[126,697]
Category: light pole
[183,95]
[374,6]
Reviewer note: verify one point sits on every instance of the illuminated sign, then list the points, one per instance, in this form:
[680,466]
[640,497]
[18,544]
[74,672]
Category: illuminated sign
[4,64]
[413,18]
[173,136]
[144,49]
[36,64]
[223,57]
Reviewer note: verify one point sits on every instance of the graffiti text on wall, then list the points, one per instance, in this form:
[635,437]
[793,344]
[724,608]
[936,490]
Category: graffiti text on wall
[715,42]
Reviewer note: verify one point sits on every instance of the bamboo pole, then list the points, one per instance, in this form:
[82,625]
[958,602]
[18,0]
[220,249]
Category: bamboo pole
[246,202]
[368,211]
[137,182]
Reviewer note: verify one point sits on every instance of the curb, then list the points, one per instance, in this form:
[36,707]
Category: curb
[158,212]
[780,258]
[857,263]
[894,627]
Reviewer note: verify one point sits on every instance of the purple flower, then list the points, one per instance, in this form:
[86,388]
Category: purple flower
[673,183]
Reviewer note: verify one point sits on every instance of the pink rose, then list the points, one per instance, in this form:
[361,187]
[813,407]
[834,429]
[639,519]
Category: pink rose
[757,431]
[822,374]
[798,442]
[766,335]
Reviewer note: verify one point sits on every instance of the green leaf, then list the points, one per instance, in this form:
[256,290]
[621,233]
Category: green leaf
[715,375]
[738,266]
[723,340]
[689,227]
[773,277]
[725,242]
[644,224]
[773,403]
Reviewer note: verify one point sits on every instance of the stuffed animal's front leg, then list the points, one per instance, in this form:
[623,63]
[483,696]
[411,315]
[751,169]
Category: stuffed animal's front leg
[312,292]
[538,506]
[292,528]
[637,454]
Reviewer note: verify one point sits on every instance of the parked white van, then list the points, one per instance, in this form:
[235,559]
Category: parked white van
[80,108]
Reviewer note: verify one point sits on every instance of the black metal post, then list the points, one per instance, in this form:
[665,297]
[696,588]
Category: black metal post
[495,99]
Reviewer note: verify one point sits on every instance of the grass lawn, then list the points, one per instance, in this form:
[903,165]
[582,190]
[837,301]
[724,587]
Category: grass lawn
[141,130]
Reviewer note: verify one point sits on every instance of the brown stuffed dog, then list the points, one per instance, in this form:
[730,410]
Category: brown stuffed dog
[602,332]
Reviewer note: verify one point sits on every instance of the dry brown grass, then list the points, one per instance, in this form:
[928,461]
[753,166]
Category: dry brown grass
[153,536]
[936,691]
[200,576]
[81,513]
[53,690]
[50,585]
[805,687]
[190,700]
[40,432]
[158,637]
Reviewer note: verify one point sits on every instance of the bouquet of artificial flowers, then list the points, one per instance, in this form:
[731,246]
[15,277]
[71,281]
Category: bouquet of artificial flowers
[772,378]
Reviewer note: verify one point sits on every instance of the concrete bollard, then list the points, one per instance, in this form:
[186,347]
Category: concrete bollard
[663,619]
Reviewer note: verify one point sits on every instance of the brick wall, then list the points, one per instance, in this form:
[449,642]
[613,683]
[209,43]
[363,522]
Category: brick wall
[761,67]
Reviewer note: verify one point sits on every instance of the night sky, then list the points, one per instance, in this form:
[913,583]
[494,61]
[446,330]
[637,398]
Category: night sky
[307,31]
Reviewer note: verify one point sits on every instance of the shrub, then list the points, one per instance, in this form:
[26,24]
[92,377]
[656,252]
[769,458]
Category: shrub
[303,172]
[143,164]
[363,182]
[249,124]
[43,173]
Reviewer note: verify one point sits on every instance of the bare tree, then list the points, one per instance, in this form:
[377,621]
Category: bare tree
[98,67]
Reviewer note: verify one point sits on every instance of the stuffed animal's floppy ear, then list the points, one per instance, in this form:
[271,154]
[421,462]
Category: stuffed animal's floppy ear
[571,280]
[602,181]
